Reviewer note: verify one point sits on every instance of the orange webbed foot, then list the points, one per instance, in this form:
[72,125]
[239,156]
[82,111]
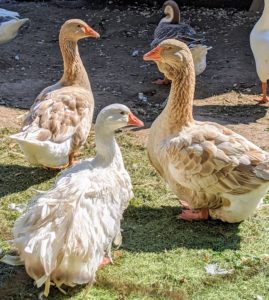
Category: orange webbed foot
[262,99]
[194,214]
[106,261]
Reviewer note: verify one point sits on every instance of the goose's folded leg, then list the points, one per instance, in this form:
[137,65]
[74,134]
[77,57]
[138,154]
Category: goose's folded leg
[184,204]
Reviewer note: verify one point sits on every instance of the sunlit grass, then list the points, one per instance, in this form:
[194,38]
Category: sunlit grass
[161,257]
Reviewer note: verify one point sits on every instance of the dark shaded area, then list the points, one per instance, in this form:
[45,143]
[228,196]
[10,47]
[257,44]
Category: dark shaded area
[147,229]
[240,4]
[13,178]
[230,114]
[14,279]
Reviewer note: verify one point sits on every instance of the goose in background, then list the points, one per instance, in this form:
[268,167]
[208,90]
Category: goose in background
[259,42]
[170,27]
[10,23]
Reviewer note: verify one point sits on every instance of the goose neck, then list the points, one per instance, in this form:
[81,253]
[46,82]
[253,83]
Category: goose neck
[107,149]
[263,23]
[74,71]
[179,109]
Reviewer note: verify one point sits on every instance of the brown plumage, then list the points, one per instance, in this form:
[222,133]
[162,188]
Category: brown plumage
[62,113]
[205,164]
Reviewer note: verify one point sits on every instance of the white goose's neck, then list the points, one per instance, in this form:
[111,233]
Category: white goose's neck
[263,23]
[107,149]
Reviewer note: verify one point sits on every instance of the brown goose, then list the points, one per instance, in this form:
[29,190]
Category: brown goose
[60,119]
[213,170]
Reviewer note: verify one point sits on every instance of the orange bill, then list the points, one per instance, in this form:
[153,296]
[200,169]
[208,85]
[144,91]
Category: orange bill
[154,54]
[133,120]
[90,32]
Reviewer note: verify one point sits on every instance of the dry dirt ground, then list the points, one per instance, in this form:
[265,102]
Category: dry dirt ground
[224,92]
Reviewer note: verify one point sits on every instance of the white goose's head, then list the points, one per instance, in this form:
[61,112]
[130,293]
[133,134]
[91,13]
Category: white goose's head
[76,29]
[171,11]
[116,116]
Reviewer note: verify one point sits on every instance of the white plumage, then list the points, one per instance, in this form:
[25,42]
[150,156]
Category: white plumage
[66,232]
[259,42]
[9,25]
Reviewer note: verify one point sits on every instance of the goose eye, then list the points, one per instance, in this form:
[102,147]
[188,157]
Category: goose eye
[78,26]
[122,113]
[169,48]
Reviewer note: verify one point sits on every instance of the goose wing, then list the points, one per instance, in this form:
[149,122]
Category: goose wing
[213,159]
[181,31]
[57,115]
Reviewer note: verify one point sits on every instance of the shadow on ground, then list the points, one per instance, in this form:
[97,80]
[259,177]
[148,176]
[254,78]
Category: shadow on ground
[230,114]
[17,178]
[149,229]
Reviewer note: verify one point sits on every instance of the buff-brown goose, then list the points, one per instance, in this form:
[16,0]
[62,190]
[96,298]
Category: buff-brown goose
[60,119]
[67,232]
[212,169]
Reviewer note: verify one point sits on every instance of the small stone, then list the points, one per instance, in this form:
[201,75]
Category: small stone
[142,97]
[17,57]
[135,53]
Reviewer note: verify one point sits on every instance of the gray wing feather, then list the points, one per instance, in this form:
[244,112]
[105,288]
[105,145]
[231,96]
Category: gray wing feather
[182,32]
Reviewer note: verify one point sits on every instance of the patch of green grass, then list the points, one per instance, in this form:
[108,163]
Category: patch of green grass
[161,257]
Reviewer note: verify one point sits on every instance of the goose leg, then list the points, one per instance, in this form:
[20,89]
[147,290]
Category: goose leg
[264,98]
[184,204]
[71,159]
[164,81]
[106,261]
[194,214]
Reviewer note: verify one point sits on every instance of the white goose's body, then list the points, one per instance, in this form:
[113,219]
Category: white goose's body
[9,25]
[259,42]
[67,231]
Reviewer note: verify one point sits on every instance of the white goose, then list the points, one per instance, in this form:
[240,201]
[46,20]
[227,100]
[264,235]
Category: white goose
[10,23]
[67,231]
[60,119]
[259,42]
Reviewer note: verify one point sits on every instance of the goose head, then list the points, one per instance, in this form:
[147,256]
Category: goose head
[76,29]
[171,56]
[171,11]
[116,116]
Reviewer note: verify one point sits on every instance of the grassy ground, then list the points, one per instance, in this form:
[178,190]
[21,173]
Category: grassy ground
[161,257]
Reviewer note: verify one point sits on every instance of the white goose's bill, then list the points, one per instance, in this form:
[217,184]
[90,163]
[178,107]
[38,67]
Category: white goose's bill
[134,121]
